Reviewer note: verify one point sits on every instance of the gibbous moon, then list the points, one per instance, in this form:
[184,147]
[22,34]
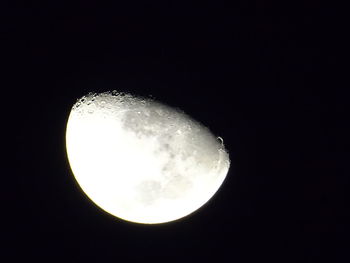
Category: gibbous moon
[141,160]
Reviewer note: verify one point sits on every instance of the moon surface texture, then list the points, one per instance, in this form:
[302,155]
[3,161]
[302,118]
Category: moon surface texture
[141,160]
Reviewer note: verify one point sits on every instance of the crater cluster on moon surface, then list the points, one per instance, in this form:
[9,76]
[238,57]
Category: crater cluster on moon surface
[141,160]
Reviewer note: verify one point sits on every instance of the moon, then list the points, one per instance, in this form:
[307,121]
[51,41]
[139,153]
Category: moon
[140,160]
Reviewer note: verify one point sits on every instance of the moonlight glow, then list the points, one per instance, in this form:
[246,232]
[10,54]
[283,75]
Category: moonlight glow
[140,160]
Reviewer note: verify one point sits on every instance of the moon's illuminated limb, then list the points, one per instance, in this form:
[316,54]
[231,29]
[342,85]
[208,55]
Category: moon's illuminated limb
[140,160]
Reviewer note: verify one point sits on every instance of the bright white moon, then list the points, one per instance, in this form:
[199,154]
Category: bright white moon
[140,160]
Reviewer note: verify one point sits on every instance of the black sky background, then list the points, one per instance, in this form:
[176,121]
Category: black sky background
[261,75]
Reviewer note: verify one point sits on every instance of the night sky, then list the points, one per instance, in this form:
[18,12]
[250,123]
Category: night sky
[261,75]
